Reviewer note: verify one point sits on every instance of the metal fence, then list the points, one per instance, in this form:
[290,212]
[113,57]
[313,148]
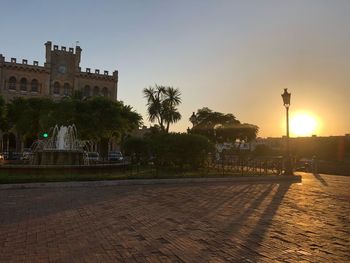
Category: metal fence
[225,165]
[247,165]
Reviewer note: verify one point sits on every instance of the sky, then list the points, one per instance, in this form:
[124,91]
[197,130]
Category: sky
[231,56]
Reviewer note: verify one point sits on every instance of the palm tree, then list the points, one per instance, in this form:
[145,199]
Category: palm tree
[171,115]
[154,105]
[173,99]
[161,105]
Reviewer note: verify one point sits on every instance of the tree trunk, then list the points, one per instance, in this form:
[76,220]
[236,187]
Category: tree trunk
[167,127]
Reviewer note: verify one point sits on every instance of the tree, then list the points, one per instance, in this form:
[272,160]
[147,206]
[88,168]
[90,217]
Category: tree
[208,117]
[97,119]
[220,127]
[173,99]
[30,116]
[3,121]
[162,105]
[100,119]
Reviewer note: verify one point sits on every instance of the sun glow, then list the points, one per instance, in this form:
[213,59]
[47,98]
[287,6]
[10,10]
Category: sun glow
[303,124]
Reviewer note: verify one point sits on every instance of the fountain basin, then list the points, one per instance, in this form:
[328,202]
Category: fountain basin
[58,157]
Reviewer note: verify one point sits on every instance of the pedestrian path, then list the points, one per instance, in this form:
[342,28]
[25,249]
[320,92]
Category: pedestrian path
[209,222]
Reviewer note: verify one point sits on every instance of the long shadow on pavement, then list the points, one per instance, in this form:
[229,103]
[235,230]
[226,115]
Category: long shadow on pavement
[257,234]
[320,179]
[163,215]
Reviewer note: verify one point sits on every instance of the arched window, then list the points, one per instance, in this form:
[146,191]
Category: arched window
[105,92]
[56,88]
[96,91]
[87,91]
[12,83]
[23,85]
[66,89]
[34,85]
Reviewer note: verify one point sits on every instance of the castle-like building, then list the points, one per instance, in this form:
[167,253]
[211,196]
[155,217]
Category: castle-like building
[60,76]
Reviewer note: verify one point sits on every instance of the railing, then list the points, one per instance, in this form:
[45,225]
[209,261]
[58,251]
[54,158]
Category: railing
[247,165]
[225,165]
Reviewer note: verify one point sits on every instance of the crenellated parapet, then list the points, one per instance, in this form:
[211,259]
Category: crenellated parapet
[60,76]
[70,50]
[22,65]
[63,51]
[97,75]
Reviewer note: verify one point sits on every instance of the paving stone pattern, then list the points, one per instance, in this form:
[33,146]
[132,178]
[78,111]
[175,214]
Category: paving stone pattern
[198,222]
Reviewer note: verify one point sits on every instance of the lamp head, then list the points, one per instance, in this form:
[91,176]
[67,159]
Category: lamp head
[286,98]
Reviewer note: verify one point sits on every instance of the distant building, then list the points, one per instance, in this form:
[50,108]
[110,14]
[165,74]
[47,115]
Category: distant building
[324,147]
[60,76]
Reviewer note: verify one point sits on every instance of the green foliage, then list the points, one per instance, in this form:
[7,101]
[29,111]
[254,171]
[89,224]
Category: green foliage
[97,118]
[169,149]
[3,120]
[161,105]
[138,148]
[176,149]
[29,116]
[220,127]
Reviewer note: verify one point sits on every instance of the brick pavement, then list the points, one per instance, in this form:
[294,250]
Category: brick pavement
[198,222]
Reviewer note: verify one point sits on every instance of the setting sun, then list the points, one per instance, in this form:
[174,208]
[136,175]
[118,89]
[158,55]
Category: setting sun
[303,124]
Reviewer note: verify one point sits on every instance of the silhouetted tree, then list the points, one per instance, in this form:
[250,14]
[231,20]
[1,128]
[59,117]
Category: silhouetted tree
[220,127]
[162,105]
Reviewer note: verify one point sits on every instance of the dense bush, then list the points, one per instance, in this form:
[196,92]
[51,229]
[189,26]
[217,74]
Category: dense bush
[173,149]
[139,149]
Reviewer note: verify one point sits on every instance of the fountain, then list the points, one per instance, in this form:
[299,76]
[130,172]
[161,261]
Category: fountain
[61,148]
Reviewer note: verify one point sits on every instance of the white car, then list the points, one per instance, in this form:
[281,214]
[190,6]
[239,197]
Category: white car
[93,156]
[115,156]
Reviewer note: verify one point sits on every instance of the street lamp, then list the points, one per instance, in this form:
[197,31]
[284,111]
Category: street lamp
[286,102]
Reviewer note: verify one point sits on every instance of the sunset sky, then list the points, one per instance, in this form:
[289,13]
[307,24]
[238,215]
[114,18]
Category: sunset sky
[231,56]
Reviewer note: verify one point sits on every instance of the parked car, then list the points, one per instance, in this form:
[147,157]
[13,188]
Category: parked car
[93,156]
[12,156]
[115,156]
[27,152]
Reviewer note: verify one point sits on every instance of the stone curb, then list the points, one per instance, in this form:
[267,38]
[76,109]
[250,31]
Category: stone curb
[295,178]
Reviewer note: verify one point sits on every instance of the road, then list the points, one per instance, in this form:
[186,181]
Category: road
[197,222]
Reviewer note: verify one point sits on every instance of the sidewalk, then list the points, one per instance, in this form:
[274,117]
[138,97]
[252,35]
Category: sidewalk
[277,178]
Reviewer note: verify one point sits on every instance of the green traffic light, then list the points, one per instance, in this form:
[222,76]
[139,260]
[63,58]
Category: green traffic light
[45,135]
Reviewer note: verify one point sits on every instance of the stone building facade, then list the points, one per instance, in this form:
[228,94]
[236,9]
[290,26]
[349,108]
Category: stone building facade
[59,77]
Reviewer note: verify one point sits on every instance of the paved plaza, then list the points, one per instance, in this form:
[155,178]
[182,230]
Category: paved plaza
[196,222]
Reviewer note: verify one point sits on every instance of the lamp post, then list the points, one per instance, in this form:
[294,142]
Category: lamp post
[286,102]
